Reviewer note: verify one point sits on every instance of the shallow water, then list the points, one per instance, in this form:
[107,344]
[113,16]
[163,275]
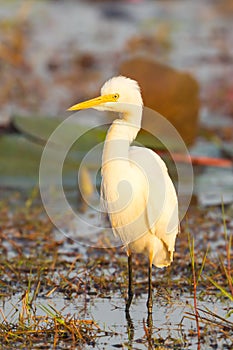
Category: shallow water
[169,325]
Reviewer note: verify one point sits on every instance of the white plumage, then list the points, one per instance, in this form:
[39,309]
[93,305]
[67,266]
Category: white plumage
[136,189]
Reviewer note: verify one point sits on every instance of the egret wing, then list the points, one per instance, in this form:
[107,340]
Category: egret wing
[139,197]
[161,203]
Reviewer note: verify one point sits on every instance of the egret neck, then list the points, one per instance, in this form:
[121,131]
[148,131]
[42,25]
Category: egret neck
[121,134]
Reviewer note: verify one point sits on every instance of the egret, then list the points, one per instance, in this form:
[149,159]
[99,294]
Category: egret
[136,190]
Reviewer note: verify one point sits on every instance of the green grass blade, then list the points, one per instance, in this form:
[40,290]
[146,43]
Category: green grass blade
[222,290]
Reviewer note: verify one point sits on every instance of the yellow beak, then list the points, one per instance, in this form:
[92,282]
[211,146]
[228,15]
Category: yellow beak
[94,102]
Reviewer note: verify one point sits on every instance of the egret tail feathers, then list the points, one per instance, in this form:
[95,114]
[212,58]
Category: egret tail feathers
[163,258]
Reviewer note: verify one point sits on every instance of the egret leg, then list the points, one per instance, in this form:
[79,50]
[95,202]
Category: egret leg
[149,332]
[130,283]
[149,300]
[130,329]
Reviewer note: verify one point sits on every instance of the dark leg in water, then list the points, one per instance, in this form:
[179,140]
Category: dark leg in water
[130,285]
[149,300]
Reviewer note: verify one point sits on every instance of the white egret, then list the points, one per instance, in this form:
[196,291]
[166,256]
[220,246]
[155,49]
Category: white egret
[136,189]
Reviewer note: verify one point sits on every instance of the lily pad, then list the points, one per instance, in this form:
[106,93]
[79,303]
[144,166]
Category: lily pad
[21,153]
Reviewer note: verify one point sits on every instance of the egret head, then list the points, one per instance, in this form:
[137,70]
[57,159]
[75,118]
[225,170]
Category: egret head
[116,95]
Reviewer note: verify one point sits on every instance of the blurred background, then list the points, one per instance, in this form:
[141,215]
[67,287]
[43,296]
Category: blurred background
[56,288]
[54,53]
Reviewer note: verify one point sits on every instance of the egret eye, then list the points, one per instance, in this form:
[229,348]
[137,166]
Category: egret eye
[116,96]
